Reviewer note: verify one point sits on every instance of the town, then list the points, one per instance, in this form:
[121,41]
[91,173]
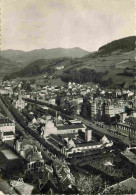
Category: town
[56,137]
[67,97]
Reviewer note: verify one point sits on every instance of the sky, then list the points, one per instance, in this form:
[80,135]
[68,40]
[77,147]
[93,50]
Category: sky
[88,24]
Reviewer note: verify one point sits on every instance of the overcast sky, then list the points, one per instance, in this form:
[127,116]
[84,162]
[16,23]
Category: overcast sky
[88,24]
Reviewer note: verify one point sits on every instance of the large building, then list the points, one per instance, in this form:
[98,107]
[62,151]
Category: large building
[97,108]
[75,146]
[113,108]
[20,103]
[7,129]
[128,128]
[52,128]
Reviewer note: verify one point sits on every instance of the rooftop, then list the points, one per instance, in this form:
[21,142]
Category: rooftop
[9,154]
[129,183]
[5,120]
[73,126]
[91,143]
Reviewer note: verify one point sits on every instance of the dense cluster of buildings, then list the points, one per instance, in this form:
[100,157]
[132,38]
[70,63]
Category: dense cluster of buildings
[68,137]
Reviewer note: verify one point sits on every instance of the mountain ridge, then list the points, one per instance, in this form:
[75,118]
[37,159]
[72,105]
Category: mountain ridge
[28,56]
[120,59]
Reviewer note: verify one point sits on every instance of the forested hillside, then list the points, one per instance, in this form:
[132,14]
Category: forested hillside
[126,44]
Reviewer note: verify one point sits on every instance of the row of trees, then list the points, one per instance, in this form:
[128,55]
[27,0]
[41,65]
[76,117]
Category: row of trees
[20,119]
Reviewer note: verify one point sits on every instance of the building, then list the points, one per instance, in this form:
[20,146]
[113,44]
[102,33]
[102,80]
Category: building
[127,186]
[59,67]
[33,157]
[88,135]
[66,179]
[52,128]
[20,103]
[128,128]
[113,108]
[47,181]
[73,128]
[7,129]
[97,108]
[75,146]
[48,128]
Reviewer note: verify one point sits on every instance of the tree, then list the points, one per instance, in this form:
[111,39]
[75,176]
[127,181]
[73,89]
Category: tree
[58,99]
[86,109]
[106,118]
[89,184]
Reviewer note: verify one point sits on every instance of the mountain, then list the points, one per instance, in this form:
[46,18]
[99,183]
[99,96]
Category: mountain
[8,66]
[27,57]
[115,60]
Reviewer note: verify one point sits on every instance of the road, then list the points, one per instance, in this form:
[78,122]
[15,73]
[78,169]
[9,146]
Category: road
[104,131]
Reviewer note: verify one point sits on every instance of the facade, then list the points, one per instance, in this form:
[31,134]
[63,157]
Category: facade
[87,145]
[97,108]
[20,104]
[7,129]
[51,128]
[128,128]
[73,128]
[33,157]
[113,108]
[88,135]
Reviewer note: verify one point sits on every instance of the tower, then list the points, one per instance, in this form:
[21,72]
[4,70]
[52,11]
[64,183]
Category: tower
[88,135]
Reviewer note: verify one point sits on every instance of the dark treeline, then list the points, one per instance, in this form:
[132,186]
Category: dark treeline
[125,44]
[126,73]
[86,75]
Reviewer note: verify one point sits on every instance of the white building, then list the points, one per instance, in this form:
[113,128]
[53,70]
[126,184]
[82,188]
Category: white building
[7,129]
[20,104]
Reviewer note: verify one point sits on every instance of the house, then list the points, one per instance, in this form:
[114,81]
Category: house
[52,101]
[34,160]
[59,67]
[47,181]
[66,179]
[7,129]
[33,157]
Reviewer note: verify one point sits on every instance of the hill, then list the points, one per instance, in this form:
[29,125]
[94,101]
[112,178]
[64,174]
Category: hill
[117,65]
[126,44]
[30,56]
[8,66]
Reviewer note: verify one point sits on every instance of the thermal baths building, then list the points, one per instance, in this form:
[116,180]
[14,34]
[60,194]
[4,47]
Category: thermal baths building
[51,128]
[74,147]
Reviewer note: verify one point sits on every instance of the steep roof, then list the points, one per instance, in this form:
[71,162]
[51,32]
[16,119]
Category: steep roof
[129,183]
